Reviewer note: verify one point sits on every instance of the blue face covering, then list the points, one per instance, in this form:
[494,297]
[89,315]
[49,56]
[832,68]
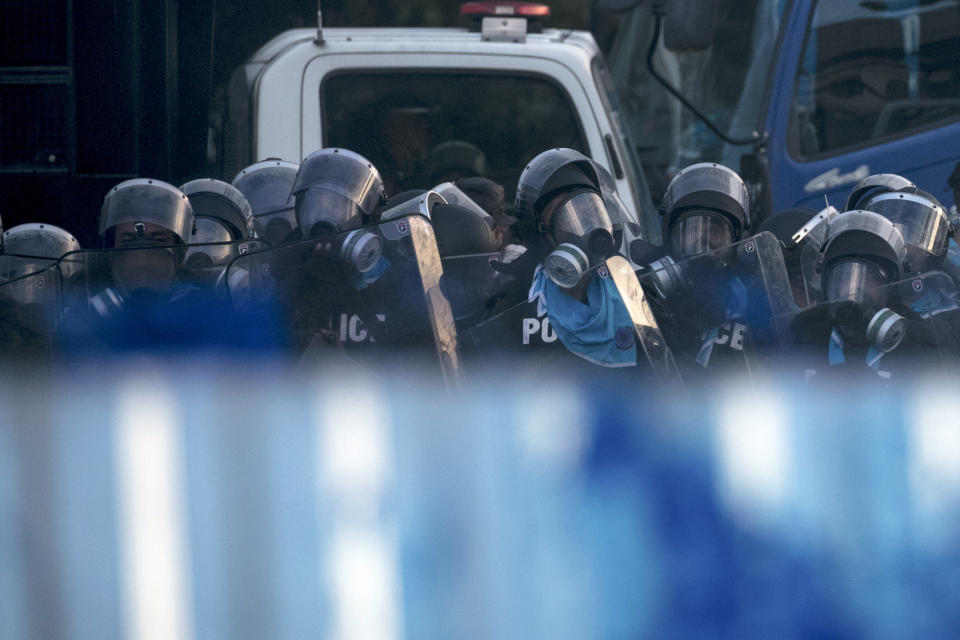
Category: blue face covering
[600,331]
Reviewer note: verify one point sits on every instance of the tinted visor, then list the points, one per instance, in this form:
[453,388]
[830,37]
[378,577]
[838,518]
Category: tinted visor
[922,226]
[700,233]
[346,173]
[267,190]
[202,254]
[578,216]
[855,281]
[321,211]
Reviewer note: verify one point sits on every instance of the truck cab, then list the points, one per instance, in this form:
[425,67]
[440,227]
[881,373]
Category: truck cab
[429,105]
[818,94]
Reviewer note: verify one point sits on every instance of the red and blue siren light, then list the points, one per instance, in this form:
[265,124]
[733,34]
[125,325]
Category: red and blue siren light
[504,8]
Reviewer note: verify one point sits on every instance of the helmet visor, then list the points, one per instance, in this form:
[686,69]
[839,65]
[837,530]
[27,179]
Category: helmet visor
[321,211]
[201,253]
[922,225]
[578,216]
[856,281]
[342,172]
[700,233]
[268,189]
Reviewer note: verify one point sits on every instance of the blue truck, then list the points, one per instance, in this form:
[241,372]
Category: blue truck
[803,97]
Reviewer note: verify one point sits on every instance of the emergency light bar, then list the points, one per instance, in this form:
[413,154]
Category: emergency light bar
[505,8]
[505,21]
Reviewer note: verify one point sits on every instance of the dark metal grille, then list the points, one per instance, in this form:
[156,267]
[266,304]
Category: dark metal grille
[33,32]
[33,126]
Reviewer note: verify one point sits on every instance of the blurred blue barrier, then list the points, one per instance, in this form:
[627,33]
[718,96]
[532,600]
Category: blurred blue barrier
[233,501]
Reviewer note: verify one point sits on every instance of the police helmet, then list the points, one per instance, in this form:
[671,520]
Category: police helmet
[216,200]
[865,236]
[461,232]
[39,240]
[550,173]
[148,201]
[32,247]
[266,185]
[707,187]
[921,220]
[873,185]
[336,189]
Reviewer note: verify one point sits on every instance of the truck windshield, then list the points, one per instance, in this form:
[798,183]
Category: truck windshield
[421,128]
[725,81]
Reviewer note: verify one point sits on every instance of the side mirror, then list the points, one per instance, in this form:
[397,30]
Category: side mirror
[689,25]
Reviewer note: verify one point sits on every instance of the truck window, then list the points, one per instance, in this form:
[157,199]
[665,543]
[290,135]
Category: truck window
[420,128]
[873,70]
[726,81]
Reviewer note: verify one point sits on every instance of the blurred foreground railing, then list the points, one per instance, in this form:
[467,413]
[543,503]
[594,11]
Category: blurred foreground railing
[231,500]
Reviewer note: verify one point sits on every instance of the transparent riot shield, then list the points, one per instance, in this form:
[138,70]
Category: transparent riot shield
[468,283]
[205,264]
[911,326]
[530,328]
[362,293]
[30,312]
[720,310]
[151,298]
[106,280]
[649,339]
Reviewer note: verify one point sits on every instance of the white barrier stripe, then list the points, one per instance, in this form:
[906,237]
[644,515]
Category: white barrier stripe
[154,559]
[12,578]
[359,561]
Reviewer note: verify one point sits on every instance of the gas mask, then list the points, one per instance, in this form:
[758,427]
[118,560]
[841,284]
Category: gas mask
[857,293]
[362,250]
[583,237]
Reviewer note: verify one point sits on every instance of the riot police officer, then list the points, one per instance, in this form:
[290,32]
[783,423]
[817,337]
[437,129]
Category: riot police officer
[862,323]
[267,187]
[569,234]
[926,229]
[920,219]
[336,189]
[223,219]
[706,207]
[714,292]
[138,216]
[30,293]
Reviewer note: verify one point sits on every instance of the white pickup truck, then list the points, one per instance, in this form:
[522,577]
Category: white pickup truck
[429,104]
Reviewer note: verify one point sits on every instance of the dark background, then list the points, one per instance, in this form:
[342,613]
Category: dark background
[98,92]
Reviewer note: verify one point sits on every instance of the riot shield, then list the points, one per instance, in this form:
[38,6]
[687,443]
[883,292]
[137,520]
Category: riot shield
[360,293]
[907,327]
[30,312]
[151,298]
[531,329]
[111,276]
[720,310]
[649,339]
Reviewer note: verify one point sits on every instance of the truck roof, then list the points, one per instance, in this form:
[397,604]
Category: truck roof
[452,40]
